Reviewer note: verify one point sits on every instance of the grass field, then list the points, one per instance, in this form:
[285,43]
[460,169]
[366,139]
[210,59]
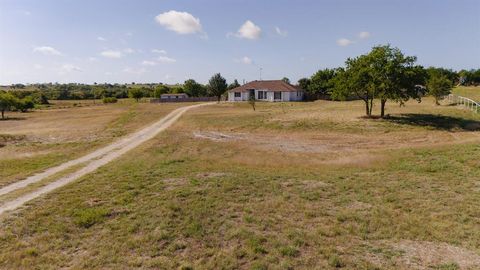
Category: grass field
[31,142]
[288,186]
[472,92]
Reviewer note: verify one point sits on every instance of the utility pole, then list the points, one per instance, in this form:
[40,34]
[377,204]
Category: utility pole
[261,74]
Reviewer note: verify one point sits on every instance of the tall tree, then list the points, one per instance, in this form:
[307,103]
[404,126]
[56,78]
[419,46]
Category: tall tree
[7,101]
[394,76]
[217,85]
[285,79]
[194,89]
[355,80]
[439,86]
[161,89]
[135,93]
[235,84]
[321,83]
[304,83]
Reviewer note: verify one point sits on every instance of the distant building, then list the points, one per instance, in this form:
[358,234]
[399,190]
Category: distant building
[173,96]
[273,90]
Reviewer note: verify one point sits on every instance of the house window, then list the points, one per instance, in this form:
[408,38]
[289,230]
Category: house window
[238,94]
[277,95]
[261,95]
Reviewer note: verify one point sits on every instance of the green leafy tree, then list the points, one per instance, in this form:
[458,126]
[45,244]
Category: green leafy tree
[7,102]
[285,79]
[233,85]
[394,75]
[24,104]
[135,93]
[355,80]
[321,83]
[160,90]
[439,86]
[304,83]
[252,101]
[217,85]
[194,89]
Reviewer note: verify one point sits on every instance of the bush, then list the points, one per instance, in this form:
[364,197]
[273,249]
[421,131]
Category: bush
[109,100]
[88,217]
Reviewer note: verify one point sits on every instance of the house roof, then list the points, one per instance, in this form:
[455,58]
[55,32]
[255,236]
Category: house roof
[271,85]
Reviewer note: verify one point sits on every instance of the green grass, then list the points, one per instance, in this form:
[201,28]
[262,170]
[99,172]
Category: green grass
[158,208]
[472,92]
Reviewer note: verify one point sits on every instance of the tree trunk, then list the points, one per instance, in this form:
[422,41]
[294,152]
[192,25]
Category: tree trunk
[382,107]
[218,99]
[371,107]
[367,109]
[3,114]
[436,101]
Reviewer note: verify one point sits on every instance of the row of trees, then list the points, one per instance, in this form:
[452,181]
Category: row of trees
[385,73]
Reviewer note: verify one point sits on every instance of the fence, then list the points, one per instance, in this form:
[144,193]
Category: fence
[189,99]
[468,103]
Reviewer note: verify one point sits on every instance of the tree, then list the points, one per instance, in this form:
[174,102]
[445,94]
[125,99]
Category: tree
[251,101]
[217,85]
[160,90]
[285,79]
[321,83]
[438,86]
[304,83]
[194,89]
[394,76]
[135,93]
[235,84]
[24,104]
[355,80]
[7,101]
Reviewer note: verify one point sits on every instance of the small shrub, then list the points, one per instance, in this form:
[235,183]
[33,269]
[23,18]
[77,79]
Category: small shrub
[88,217]
[109,100]
[335,261]
[31,252]
[289,251]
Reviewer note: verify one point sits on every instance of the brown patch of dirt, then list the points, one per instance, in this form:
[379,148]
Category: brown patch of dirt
[211,174]
[173,183]
[425,255]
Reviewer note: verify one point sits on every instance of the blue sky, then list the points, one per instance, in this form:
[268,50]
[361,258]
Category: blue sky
[170,41]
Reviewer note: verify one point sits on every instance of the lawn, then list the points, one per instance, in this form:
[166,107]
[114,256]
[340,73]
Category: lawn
[33,141]
[472,92]
[288,186]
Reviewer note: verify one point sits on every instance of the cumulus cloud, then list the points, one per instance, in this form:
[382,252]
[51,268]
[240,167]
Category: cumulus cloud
[248,30]
[364,35]
[148,63]
[159,51]
[166,59]
[112,54]
[281,32]
[67,68]
[244,60]
[101,39]
[47,50]
[344,42]
[179,22]
[136,71]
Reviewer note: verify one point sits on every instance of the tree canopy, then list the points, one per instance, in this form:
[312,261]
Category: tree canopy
[217,85]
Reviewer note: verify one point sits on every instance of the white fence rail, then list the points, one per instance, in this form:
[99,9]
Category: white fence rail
[468,103]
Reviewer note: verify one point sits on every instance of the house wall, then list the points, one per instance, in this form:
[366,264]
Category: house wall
[286,96]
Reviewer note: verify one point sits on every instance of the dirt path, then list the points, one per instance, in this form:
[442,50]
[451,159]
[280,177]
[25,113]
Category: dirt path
[95,160]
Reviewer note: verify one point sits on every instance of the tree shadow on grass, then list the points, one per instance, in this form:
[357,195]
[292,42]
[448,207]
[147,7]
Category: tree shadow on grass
[12,118]
[440,122]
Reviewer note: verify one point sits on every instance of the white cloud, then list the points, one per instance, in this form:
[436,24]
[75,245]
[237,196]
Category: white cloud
[159,51]
[166,59]
[249,31]
[364,35]
[148,63]
[344,42]
[128,50]
[92,59]
[112,54]
[37,66]
[136,71]
[69,68]
[281,32]
[244,60]
[179,22]
[101,39]
[46,50]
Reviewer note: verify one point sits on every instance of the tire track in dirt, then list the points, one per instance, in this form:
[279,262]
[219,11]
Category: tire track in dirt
[96,159]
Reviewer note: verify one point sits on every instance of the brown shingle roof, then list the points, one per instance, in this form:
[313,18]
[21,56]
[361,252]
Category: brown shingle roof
[272,85]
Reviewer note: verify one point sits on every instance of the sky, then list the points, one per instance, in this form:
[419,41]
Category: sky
[124,41]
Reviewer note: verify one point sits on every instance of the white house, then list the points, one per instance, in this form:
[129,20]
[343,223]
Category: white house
[273,90]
